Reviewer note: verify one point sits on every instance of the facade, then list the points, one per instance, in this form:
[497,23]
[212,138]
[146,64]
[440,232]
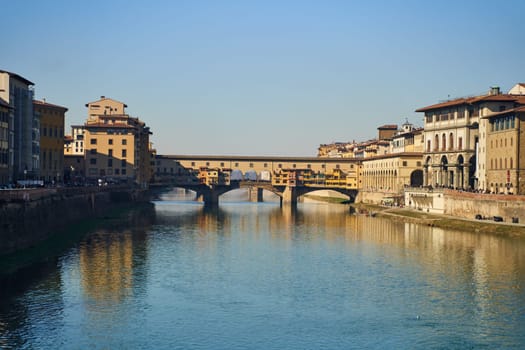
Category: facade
[74,143]
[391,173]
[116,145]
[505,151]
[455,139]
[23,124]
[51,140]
[5,110]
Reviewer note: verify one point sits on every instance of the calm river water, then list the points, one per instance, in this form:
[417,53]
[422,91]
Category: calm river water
[257,276]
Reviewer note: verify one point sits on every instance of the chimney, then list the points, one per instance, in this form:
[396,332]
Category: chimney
[494,90]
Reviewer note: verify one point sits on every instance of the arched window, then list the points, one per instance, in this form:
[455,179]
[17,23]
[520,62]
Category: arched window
[428,145]
[444,140]
[505,163]
[436,146]
[451,141]
[460,143]
[500,164]
[511,163]
[491,164]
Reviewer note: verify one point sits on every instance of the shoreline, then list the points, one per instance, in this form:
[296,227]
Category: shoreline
[444,221]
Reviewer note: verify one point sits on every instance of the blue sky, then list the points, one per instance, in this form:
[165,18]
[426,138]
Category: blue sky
[262,77]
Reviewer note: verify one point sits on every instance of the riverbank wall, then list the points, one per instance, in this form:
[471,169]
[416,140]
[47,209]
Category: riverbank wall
[28,217]
[510,208]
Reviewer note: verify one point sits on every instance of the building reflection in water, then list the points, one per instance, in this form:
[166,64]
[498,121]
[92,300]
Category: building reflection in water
[111,259]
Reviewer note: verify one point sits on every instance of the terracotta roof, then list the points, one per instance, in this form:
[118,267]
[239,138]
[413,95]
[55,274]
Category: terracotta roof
[106,98]
[473,100]
[46,104]
[18,77]
[68,138]
[388,126]
[507,111]
[108,126]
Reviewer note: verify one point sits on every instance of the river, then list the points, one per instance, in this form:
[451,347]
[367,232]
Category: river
[256,276]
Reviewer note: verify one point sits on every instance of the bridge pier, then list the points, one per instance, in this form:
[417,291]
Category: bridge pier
[255,194]
[209,196]
[289,196]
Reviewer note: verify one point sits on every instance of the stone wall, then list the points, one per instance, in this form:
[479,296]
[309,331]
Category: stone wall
[468,205]
[31,219]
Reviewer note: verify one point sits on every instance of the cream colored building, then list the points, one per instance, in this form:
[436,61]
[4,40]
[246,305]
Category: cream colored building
[116,145]
[51,140]
[391,173]
[455,136]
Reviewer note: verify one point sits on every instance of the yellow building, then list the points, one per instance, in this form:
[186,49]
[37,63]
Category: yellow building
[117,146]
[4,142]
[51,140]
[392,172]
[505,151]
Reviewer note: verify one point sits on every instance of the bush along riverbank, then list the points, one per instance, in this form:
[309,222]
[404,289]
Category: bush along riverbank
[442,221]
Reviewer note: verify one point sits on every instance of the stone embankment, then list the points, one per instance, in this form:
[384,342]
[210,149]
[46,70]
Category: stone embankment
[448,222]
[28,216]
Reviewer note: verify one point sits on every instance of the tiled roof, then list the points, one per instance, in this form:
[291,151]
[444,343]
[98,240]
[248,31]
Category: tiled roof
[46,104]
[507,111]
[473,100]
[388,126]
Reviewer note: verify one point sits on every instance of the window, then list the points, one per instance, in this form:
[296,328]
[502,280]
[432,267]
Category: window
[123,163]
[123,171]
[93,161]
[251,165]
[460,143]
[124,142]
[207,164]
[110,152]
[93,141]
[110,141]
[451,141]
[222,164]
[266,165]
[117,171]
[93,151]
[110,163]
[444,141]
[405,163]
[428,145]
[192,163]
[124,153]
[511,163]
[436,146]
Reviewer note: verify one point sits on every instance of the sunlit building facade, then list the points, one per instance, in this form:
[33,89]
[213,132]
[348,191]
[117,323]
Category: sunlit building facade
[51,140]
[116,146]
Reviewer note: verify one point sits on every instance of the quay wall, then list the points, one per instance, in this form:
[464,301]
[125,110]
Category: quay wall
[468,205]
[30,216]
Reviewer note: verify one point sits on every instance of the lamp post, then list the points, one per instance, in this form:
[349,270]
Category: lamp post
[25,177]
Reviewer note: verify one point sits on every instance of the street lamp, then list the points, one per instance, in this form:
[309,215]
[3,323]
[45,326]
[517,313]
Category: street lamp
[25,177]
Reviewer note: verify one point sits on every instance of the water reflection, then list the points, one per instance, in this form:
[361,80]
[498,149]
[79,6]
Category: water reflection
[181,275]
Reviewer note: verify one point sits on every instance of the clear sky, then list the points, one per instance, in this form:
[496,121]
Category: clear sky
[262,77]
